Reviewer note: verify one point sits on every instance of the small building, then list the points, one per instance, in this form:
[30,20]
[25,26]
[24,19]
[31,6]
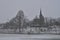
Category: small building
[54,29]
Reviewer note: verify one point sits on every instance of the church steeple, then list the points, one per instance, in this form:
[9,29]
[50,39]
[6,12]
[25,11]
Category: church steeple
[41,18]
[40,14]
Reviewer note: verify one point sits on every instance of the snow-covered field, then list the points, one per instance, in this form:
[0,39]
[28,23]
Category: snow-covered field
[28,37]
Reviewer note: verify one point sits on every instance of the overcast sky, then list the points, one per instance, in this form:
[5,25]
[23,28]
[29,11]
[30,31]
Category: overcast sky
[31,8]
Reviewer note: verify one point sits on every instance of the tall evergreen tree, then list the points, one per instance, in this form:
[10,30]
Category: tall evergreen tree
[20,18]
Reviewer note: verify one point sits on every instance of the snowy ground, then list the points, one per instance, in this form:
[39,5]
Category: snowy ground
[28,37]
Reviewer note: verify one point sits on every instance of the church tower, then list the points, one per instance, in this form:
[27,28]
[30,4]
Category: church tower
[41,19]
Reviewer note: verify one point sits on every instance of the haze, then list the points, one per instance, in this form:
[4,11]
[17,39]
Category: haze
[31,8]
